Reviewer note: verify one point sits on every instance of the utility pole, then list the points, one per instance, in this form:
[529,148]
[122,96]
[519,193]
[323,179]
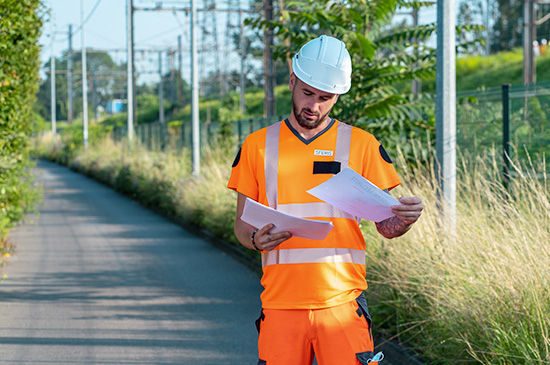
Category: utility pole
[180,73]
[530,23]
[84,79]
[269,70]
[70,107]
[195,91]
[529,35]
[487,20]
[211,4]
[243,65]
[446,111]
[173,81]
[94,96]
[130,69]
[416,86]
[53,101]
[134,89]
[161,91]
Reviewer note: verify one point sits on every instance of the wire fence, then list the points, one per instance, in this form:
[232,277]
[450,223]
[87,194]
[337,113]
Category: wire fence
[158,136]
[514,120]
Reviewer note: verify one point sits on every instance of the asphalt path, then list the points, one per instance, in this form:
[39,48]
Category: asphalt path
[98,279]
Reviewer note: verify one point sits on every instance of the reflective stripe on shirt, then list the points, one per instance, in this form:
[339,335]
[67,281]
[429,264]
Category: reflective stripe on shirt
[272,163]
[313,255]
[313,210]
[343,143]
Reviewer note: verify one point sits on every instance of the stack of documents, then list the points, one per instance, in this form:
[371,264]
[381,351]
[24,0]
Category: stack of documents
[347,191]
[352,193]
[259,215]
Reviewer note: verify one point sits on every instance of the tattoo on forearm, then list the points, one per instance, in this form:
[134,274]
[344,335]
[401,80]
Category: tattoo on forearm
[392,227]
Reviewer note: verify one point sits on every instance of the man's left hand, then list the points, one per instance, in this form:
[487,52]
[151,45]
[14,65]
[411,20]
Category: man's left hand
[410,209]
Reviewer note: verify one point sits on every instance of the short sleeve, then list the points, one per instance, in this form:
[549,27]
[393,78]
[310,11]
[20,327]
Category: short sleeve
[243,171]
[376,165]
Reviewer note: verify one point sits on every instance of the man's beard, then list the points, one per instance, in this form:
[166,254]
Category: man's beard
[304,122]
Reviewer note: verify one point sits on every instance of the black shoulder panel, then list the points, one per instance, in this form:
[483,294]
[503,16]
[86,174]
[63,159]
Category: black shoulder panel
[237,158]
[384,154]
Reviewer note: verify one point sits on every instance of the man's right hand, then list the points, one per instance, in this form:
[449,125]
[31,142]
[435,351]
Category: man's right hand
[266,241]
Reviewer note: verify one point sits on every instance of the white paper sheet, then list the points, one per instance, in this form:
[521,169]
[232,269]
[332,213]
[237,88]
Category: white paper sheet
[355,195]
[258,215]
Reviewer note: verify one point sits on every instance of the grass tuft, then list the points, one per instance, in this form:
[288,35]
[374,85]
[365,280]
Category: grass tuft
[482,295]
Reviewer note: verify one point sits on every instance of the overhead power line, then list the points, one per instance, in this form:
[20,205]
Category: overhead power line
[159,34]
[88,17]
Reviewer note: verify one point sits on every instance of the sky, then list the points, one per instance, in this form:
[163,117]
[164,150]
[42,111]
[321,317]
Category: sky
[154,30]
[105,29]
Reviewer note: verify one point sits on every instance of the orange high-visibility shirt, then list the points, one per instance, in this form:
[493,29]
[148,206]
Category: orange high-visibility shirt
[302,273]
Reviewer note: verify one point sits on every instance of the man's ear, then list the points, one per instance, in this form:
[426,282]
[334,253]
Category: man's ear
[292,81]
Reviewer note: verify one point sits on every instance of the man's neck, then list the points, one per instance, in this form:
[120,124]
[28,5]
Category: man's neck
[307,133]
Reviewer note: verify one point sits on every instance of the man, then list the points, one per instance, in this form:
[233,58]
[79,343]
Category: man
[313,303]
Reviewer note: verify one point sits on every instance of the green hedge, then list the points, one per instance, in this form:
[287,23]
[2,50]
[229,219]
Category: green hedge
[20,26]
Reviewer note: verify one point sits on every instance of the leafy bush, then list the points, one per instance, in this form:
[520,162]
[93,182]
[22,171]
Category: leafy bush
[20,26]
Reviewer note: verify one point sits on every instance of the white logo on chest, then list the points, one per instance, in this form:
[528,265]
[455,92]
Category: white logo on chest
[323,153]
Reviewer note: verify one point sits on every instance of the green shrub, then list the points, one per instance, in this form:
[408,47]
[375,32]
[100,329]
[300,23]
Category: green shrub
[20,27]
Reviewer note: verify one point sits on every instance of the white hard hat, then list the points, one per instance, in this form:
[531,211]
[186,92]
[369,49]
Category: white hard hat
[325,64]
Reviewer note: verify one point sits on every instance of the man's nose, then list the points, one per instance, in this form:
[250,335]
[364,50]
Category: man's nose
[314,106]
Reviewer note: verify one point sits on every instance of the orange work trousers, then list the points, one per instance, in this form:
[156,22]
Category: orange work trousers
[338,335]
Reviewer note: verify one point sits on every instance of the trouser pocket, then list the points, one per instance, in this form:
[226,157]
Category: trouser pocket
[369,358]
[258,323]
[363,310]
[259,320]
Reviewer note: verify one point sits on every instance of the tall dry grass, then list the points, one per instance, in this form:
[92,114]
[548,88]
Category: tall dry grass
[482,295]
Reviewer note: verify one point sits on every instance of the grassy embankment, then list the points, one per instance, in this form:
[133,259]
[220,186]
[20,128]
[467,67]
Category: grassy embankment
[480,296]
[481,72]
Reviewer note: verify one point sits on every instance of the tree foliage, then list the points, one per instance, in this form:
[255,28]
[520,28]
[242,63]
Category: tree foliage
[508,20]
[20,26]
[384,58]
[106,81]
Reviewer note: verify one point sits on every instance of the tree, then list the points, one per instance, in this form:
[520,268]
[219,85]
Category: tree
[383,59]
[106,81]
[170,87]
[470,12]
[508,24]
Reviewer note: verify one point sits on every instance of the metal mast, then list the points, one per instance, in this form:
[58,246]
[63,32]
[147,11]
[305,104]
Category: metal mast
[446,110]
[84,79]
[195,91]
[70,106]
[130,69]
[53,101]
